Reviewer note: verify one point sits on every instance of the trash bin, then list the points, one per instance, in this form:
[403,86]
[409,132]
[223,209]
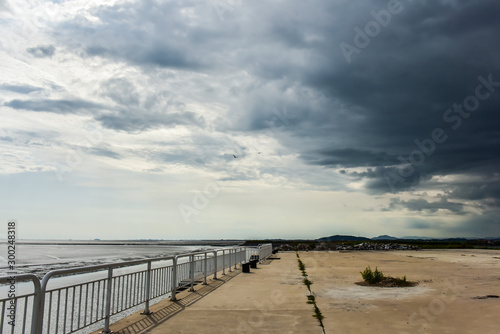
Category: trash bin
[253,263]
[245,267]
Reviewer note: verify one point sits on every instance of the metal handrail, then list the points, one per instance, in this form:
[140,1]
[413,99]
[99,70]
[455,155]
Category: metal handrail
[262,250]
[98,299]
[36,296]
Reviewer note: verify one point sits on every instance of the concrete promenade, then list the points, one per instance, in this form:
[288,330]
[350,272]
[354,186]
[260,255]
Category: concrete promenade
[270,299]
[456,294]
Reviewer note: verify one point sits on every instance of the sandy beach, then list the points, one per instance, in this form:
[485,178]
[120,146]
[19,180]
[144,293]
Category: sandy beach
[451,296]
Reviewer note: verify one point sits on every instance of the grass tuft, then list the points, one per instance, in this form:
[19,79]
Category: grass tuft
[377,278]
[372,277]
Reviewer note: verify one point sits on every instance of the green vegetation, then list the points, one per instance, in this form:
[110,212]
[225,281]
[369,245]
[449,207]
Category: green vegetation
[318,315]
[401,281]
[372,277]
[307,283]
[302,268]
[311,299]
[377,278]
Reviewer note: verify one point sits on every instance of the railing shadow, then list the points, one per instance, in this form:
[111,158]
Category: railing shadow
[160,316]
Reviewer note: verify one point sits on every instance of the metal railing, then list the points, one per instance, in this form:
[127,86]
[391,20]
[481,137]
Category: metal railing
[262,250]
[103,291]
[265,251]
[25,301]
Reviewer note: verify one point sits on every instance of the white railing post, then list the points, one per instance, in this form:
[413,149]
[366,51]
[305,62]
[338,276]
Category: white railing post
[38,308]
[108,302]
[174,279]
[148,289]
[191,271]
[205,271]
[230,259]
[215,264]
[37,321]
[223,262]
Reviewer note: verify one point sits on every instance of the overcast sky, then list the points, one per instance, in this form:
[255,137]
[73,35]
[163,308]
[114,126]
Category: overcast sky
[250,119]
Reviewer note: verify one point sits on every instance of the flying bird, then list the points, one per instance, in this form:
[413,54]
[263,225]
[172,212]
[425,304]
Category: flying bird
[234,156]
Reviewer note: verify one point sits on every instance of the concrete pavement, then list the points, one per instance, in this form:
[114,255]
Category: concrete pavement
[270,299]
[451,297]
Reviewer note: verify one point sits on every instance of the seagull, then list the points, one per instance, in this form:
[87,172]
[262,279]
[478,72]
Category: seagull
[234,156]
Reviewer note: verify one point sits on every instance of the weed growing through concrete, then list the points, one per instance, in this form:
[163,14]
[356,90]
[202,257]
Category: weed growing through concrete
[311,299]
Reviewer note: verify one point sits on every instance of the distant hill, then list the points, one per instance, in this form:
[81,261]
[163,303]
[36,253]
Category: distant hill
[343,238]
[385,237]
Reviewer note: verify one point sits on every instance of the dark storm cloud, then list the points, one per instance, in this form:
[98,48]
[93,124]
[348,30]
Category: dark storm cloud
[350,157]
[42,51]
[400,86]
[398,90]
[378,179]
[484,225]
[419,224]
[424,205]
[488,188]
